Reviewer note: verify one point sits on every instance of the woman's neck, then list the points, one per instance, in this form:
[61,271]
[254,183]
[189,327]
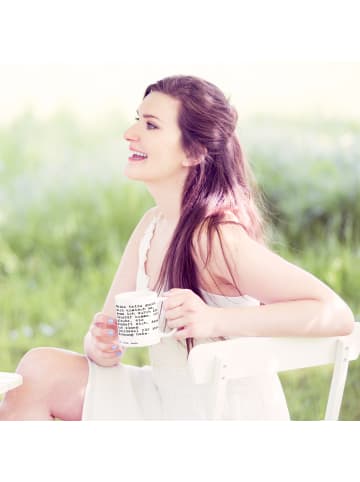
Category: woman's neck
[168,200]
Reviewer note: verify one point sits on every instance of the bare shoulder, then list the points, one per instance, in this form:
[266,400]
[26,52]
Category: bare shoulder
[209,242]
[144,222]
[218,248]
[149,215]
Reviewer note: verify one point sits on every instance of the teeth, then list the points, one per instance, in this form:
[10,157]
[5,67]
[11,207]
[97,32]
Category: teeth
[139,154]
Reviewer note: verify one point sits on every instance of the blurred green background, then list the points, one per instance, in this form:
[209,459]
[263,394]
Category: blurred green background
[66,213]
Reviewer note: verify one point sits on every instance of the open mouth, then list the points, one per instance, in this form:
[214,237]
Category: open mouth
[138,156]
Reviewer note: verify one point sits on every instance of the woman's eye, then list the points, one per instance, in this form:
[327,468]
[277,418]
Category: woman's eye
[149,125]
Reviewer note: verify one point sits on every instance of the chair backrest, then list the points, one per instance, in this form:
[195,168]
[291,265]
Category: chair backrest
[8,381]
[220,361]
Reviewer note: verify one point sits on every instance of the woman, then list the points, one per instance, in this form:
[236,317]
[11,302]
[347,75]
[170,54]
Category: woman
[203,245]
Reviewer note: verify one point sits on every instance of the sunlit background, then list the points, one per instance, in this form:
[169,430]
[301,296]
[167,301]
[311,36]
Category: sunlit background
[325,89]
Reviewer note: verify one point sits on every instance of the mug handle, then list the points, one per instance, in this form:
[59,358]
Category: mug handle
[164,334]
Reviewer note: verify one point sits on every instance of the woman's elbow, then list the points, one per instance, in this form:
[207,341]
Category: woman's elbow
[340,318]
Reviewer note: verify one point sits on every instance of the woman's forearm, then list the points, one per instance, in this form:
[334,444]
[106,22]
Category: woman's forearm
[292,318]
[88,346]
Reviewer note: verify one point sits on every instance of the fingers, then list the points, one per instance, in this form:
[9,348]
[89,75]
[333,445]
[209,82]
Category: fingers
[187,312]
[176,297]
[110,356]
[105,335]
[104,327]
[100,319]
[176,307]
[174,313]
[104,332]
[183,333]
[110,348]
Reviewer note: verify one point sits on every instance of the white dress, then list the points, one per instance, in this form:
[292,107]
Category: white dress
[164,390]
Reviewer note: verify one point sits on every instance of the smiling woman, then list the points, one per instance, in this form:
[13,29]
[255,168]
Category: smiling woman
[203,247]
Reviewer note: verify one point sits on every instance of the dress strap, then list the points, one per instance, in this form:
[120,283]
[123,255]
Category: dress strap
[142,279]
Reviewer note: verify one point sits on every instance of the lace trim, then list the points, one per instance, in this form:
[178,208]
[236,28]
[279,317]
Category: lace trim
[144,249]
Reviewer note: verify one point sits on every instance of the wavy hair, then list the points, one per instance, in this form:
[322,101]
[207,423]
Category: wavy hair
[220,182]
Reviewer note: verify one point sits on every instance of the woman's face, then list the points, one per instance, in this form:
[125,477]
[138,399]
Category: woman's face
[154,140]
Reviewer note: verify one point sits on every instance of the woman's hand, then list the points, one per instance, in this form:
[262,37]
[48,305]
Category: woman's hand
[187,312]
[101,341]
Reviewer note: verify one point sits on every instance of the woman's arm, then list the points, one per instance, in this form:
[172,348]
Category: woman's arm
[98,342]
[295,301]
[125,276]
[292,318]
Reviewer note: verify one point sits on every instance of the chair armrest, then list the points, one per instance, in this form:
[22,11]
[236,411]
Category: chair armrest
[251,356]
[8,381]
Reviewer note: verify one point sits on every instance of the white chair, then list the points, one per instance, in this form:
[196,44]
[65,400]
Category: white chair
[221,361]
[8,381]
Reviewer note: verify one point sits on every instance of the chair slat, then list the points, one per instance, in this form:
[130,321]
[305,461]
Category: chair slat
[8,381]
[251,356]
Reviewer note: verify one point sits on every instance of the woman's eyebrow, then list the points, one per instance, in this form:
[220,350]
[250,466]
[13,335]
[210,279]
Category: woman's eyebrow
[148,116]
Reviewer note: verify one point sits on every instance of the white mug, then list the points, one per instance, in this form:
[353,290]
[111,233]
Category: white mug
[138,318]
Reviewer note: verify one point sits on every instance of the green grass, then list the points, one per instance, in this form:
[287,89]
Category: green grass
[307,390]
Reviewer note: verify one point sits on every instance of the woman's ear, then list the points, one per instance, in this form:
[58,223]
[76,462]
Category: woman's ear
[192,160]
[188,162]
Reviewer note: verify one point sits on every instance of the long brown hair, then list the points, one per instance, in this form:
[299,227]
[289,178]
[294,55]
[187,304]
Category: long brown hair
[222,181]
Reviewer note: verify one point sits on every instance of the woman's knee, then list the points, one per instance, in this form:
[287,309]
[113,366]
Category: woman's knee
[39,362]
[60,375]
[33,360]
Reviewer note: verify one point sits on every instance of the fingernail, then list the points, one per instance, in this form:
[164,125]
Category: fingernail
[119,353]
[110,332]
[111,322]
[114,347]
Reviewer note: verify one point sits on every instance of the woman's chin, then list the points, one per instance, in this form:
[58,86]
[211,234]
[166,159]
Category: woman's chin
[137,174]
[132,171]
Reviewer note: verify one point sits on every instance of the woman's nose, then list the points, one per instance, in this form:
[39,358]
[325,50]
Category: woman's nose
[131,134]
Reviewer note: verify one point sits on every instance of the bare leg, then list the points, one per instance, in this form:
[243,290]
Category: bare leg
[54,383]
